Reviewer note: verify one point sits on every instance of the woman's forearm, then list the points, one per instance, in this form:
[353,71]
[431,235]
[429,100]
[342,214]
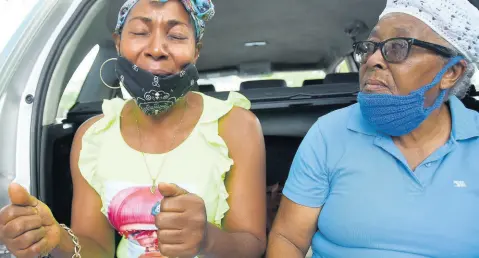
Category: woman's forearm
[280,246]
[89,248]
[220,243]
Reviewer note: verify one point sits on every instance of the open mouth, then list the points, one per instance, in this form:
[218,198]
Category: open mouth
[163,75]
[160,73]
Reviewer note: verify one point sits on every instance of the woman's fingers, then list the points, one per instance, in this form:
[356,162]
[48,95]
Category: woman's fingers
[167,236]
[172,250]
[28,239]
[12,212]
[37,249]
[170,220]
[21,225]
[19,196]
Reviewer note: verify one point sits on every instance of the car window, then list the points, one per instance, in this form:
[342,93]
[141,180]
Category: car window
[343,67]
[292,78]
[75,84]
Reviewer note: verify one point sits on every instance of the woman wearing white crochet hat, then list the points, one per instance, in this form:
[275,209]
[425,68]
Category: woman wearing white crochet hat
[396,174]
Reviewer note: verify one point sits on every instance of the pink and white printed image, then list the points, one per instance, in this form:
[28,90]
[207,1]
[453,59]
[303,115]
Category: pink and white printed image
[131,212]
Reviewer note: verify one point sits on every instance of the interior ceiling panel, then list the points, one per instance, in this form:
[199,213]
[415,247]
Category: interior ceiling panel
[305,32]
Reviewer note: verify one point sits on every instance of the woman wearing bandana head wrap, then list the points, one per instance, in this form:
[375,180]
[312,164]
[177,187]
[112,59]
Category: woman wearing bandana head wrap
[395,175]
[157,168]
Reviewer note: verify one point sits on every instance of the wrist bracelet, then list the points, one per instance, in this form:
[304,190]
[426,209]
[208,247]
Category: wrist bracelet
[75,240]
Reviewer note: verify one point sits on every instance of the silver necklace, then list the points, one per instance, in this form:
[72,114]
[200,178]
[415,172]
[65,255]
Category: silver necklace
[154,179]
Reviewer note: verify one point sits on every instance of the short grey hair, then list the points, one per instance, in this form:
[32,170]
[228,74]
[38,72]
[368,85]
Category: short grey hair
[461,87]
[463,84]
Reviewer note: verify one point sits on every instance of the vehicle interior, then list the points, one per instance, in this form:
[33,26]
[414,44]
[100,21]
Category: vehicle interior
[292,61]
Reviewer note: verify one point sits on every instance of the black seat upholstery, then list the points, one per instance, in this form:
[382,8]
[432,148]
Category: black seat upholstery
[342,78]
[258,84]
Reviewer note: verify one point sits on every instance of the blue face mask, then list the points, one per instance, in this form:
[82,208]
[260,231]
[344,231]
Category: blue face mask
[399,115]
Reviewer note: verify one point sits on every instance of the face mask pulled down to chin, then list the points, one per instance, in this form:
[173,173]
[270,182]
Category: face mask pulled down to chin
[152,93]
[396,115]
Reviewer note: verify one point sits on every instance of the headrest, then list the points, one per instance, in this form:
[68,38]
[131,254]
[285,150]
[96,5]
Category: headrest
[313,82]
[470,100]
[206,88]
[342,78]
[472,91]
[258,84]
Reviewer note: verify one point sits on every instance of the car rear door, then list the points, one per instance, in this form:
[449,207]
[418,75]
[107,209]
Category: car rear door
[22,62]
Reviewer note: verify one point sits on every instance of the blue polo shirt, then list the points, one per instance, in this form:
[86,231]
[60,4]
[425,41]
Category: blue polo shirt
[374,205]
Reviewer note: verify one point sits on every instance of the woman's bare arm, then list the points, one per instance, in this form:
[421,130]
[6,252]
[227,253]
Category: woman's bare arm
[245,222]
[95,234]
[292,230]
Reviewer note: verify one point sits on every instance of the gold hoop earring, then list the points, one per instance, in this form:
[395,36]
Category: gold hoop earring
[101,76]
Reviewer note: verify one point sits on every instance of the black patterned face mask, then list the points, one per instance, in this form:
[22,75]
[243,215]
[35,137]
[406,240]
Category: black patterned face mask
[155,94]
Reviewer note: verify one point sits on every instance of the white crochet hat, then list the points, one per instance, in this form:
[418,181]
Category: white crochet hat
[457,21]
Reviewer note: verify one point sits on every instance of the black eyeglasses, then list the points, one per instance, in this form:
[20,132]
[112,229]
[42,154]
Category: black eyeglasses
[396,50]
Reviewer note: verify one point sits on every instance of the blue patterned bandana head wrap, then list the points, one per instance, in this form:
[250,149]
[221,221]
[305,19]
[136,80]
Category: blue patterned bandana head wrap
[200,11]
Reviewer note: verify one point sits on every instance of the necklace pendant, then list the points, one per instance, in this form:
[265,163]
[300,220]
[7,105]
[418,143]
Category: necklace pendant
[153,189]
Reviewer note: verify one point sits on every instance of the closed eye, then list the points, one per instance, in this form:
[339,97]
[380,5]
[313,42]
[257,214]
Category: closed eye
[178,37]
[139,33]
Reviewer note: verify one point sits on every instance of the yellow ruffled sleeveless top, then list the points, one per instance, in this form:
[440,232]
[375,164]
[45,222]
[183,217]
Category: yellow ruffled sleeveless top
[119,175]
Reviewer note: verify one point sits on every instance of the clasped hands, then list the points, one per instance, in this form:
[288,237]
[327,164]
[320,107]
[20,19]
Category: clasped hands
[182,223]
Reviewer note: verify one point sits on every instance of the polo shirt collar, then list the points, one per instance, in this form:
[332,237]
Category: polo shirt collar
[358,124]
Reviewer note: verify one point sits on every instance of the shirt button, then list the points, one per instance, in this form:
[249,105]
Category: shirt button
[428,164]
